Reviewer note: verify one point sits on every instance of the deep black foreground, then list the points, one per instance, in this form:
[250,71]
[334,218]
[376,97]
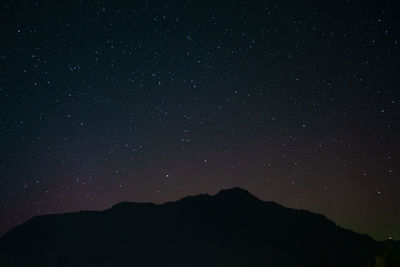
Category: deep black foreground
[232,228]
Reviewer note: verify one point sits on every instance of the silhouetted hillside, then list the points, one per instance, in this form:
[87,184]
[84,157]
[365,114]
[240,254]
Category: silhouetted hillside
[232,228]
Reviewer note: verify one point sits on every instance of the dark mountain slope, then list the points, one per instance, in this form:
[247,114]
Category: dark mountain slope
[232,228]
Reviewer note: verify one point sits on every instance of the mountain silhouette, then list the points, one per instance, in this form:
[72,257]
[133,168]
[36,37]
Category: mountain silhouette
[232,228]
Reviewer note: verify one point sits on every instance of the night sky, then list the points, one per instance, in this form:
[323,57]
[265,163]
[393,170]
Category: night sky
[296,101]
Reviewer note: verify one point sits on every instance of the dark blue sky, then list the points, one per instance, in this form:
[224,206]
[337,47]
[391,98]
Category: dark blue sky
[296,101]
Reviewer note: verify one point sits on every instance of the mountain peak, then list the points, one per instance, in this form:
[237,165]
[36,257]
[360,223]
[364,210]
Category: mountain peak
[236,193]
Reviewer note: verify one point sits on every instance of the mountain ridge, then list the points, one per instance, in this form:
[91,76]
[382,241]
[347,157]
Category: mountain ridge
[231,228]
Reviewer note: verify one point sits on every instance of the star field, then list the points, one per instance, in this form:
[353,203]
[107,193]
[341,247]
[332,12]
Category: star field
[296,101]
